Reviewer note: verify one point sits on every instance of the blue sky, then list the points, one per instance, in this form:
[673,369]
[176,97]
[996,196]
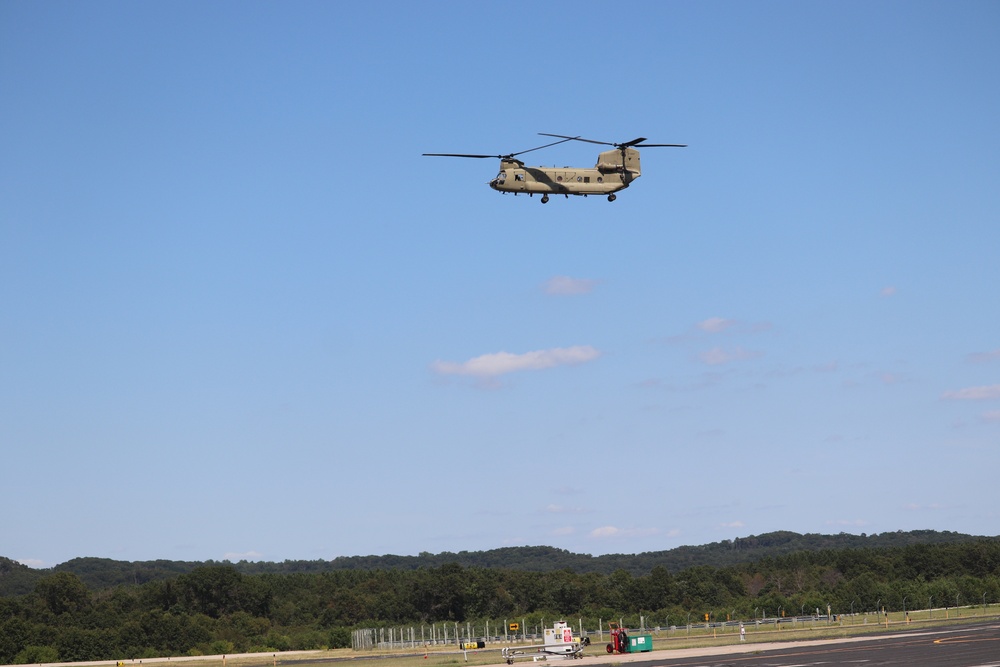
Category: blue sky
[243,317]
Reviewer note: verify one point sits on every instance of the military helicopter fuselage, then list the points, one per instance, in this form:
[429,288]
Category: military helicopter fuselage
[615,170]
[608,176]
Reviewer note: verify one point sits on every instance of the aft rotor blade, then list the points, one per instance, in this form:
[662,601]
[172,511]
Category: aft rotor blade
[638,140]
[635,142]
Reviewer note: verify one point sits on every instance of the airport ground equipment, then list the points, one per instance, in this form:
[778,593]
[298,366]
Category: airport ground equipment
[559,643]
[623,642]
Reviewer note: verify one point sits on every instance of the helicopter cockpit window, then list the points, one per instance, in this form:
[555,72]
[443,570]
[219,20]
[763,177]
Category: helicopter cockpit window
[502,176]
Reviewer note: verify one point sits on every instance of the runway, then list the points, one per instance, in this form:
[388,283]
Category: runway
[974,645]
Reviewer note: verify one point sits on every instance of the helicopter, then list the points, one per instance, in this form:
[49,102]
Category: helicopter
[615,170]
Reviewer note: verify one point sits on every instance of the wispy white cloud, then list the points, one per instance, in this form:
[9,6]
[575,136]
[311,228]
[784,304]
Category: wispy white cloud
[31,562]
[888,377]
[562,509]
[983,357]
[981,393]
[887,291]
[247,555]
[565,285]
[564,531]
[500,363]
[732,524]
[719,355]
[917,507]
[606,532]
[991,416]
[847,522]
[715,324]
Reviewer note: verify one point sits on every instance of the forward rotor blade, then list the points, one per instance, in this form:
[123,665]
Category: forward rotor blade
[660,145]
[589,141]
[509,156]
[459,155]
[562,141]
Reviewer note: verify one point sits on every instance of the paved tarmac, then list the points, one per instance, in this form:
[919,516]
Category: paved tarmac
[974,645]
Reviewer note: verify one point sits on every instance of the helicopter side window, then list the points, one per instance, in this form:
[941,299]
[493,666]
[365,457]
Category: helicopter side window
[518,177]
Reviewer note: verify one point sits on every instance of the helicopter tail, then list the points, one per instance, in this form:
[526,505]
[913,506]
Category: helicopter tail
[623,160]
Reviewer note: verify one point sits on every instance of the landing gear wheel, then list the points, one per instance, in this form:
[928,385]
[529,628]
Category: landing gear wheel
[610,648]
[545,199]
[612,197]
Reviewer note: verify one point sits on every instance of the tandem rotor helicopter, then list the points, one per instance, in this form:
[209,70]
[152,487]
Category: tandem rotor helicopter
[615,170]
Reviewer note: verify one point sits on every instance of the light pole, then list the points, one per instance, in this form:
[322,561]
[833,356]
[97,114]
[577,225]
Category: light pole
[930,608]
[904,608]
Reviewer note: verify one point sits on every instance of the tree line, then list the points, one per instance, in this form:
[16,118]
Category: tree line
[217,608]
[16,579]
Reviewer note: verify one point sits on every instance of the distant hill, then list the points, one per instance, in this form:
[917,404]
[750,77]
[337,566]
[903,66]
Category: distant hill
[17,579]
[99,573]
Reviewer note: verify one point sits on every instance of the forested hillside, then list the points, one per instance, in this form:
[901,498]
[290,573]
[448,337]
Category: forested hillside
[99,573]
[217,608]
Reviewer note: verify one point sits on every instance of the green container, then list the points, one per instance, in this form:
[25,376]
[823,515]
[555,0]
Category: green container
[640,643]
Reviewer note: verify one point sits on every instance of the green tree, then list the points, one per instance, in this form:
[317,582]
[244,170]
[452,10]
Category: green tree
[63,593]
[656,590]
[216,591]
[340,638]
[36,655]
[15,634]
